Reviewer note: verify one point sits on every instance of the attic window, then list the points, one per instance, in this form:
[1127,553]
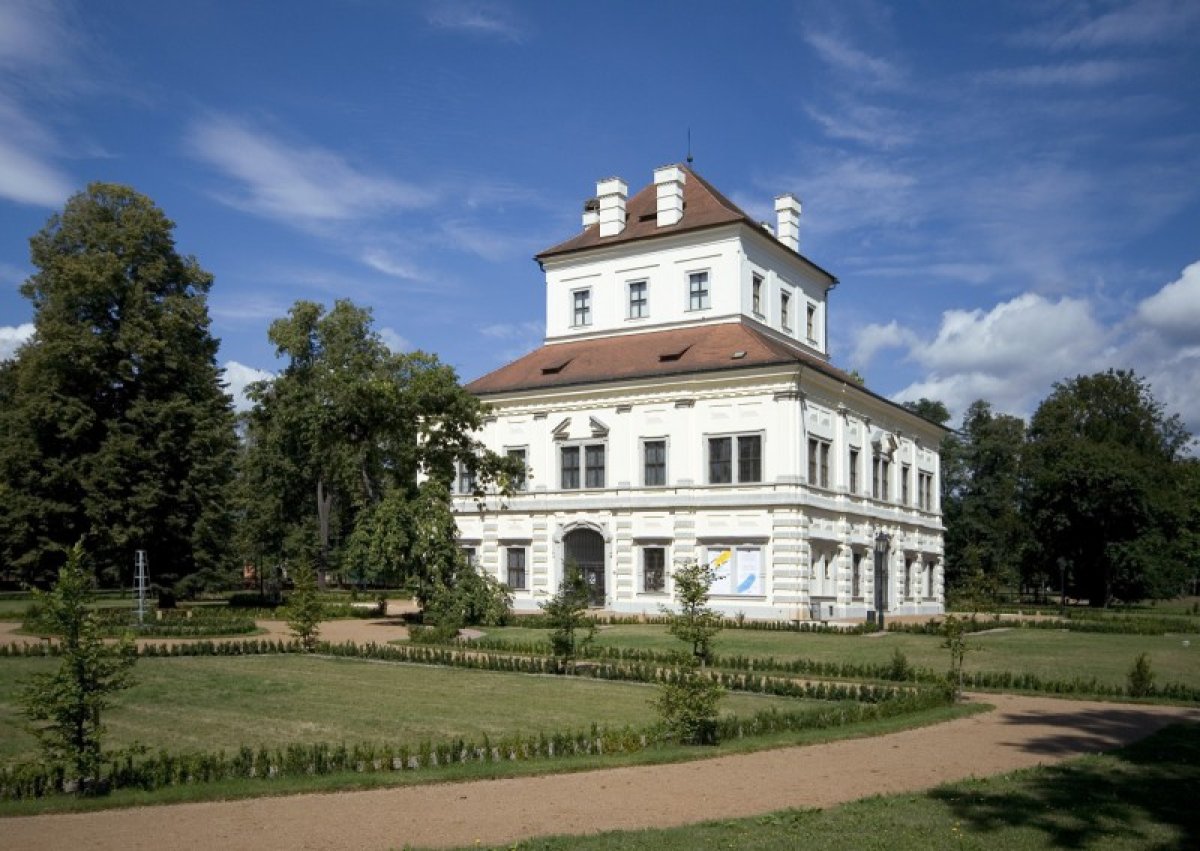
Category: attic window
[648,217]
[555,369]
[669,357]
[738,355]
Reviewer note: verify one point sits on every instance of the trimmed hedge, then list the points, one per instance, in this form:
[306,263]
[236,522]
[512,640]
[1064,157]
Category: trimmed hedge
[1110,626]
[138,768]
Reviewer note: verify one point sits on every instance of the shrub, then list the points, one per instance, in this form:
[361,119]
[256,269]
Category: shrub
[1141,677]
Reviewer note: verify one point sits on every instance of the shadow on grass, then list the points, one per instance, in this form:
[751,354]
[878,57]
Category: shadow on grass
[1152,782]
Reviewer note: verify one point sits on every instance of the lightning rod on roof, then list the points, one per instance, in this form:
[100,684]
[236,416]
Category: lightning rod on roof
[689,156]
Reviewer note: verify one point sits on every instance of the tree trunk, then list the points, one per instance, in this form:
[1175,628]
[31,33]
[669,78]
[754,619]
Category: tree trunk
[324,506]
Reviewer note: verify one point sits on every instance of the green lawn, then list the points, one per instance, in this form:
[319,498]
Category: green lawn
[1049,653]
[1139,797]
[210,703]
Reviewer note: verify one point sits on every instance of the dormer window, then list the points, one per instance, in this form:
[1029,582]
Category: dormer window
[581,311]
[785,317]
[756,283]
[812,323]
[698,291]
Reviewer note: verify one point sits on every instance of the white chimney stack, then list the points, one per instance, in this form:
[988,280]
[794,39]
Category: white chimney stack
[591,212]
[668,181]
[612,194]
[787,216]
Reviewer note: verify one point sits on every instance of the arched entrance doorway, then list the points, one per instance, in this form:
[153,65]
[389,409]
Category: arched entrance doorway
[585,548]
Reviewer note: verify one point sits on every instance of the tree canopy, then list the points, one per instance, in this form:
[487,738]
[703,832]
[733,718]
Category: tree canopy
[351,451]
[114,427]
[1107,486]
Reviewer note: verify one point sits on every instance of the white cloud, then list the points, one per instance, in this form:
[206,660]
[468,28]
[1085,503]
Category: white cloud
[1094,72]
[296,184]
[1010,354]
[11,338]
[27,179]
[1138,23]
[861,66]
[512,330]
[1175,309]
[390,265]
[394,341]
[871,125]
[475,18]
[874,338]
[237,376]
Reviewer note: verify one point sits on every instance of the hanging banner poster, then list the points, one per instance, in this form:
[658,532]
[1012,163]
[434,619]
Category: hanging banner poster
[749,573]
[721,562]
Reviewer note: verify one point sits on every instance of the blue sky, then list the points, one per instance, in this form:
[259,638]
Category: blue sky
[1009,192]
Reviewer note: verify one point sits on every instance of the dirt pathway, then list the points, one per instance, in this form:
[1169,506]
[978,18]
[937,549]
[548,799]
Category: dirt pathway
[1021,732]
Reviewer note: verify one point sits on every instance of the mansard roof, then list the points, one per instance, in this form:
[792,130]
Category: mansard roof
[703,207]
[679,351]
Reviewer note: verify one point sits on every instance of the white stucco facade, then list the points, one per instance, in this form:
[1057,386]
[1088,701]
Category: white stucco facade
[815,497]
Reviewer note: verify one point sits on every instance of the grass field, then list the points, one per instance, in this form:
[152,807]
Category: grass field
[209,703]
[1049,653]
[1139,797]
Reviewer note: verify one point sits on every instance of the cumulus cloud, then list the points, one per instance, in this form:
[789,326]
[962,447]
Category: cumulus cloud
[874,338]
[1013,353]
[1175,309]
[12,337]
[394,341]
[295,183]
[237,376]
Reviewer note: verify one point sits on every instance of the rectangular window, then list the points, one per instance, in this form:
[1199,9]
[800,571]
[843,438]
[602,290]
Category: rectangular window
[516,568]
[721,469]
[518,455]
[908,577]
[853,471]
[756,283]
[594,466]
[698,291]
[818,462]
[582,465]
[785,318]
[466,479]
[881,470]
[570,467]
[905,474]
[470,556]
[638,308]
[925,490]
[581,313]
[654,570]
[750,458]
[812,323]
[654,454]
[856,577]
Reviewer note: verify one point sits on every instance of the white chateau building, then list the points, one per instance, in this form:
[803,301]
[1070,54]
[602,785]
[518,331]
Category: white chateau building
[683,407]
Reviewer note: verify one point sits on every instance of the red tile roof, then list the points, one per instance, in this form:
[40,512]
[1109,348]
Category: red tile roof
[657,353]
[703,207]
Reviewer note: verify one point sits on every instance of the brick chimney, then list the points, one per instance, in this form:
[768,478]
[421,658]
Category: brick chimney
[668,182]
[612,193]
[787,216]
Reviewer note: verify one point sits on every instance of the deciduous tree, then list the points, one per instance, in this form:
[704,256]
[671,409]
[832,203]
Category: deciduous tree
[1106,488]
[66,705]
[115,428]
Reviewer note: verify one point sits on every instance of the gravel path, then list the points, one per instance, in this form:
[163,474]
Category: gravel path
[1021,732]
